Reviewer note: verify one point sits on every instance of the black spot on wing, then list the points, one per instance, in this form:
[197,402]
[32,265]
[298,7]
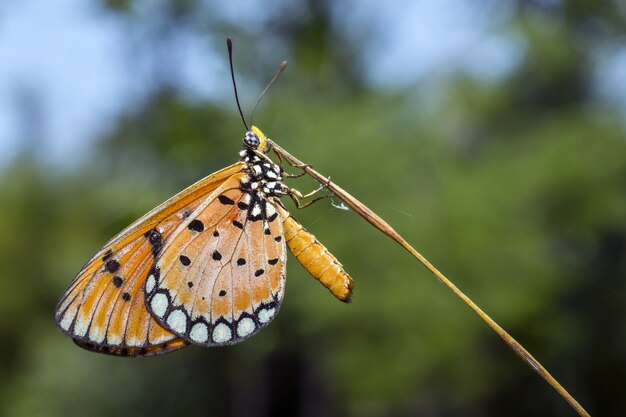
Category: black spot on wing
[118,281]
[107,255]
[155,239]
[222,293]
[126,296]
[112,266]
[225,200]
[273,261]
[216,256]
[258,272]
[184,260]
[196,225]
[237,224]
[241,261]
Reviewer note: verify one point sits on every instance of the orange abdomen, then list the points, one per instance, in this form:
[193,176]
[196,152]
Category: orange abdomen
[316,259]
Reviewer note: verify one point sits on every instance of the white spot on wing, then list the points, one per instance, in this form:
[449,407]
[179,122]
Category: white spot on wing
[245,327]
[96,333]
[199,333]
[266,314]
[150,283]
[68,317]
[177,320]
[222,333]
[158,304]
[256,210]
[271,174]
[257,169]
[269,209]
[80,326]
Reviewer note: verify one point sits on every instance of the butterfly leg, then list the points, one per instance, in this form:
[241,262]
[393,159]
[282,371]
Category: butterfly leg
[301,205]
[288,175]
[280,159]
[298,197]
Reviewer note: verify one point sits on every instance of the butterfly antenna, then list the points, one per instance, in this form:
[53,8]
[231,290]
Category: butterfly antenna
[281,68]
[229,43]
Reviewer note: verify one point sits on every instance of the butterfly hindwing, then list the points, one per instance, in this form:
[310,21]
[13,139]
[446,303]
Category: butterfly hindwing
[104,309]
[220,278]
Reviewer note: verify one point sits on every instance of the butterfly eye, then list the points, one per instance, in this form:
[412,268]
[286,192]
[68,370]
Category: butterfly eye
[251,140]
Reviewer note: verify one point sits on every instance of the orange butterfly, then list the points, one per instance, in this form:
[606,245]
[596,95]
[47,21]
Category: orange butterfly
[206,267]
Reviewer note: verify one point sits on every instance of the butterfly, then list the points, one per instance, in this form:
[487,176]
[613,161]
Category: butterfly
[206,267]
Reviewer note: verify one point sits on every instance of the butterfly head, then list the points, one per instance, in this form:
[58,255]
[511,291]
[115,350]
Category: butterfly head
[256,140]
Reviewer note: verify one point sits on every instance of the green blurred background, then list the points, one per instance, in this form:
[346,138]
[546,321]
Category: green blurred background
[504,162]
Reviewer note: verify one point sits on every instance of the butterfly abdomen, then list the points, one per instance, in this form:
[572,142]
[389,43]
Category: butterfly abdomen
[316,259]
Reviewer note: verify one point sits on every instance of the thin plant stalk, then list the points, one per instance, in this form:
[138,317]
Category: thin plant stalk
[372,218]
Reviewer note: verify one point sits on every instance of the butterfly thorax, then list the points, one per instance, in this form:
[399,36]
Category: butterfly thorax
[263,180]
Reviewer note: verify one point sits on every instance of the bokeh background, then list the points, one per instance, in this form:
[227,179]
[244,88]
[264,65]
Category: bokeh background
[490,133]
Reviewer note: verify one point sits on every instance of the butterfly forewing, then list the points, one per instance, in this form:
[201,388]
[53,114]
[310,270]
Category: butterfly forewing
[221,277]
[104,306]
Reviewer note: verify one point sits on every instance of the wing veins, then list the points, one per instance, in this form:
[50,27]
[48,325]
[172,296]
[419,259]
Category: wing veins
[214,281]
[130,308]
[138,259]
[204,252]
[192,217]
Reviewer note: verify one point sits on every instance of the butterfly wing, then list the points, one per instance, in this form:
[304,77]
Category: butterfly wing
[220,278]
[103,308]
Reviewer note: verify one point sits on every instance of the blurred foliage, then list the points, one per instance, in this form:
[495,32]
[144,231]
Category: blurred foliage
[515,189]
